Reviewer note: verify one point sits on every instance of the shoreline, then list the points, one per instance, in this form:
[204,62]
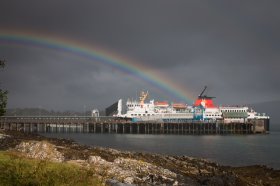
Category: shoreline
[180,170]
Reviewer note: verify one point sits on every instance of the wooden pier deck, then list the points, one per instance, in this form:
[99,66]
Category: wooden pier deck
[69,124]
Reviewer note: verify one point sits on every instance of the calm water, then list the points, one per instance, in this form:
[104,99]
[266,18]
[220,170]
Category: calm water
[227,150]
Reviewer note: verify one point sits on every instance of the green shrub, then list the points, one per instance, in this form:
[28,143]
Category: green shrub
[16,170]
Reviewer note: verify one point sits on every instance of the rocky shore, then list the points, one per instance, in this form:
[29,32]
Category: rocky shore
[116,167]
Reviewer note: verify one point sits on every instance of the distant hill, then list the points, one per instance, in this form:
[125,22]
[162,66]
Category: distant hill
[44,112]
[271,108]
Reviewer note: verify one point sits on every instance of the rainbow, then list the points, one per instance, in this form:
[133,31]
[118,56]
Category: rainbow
[155,79]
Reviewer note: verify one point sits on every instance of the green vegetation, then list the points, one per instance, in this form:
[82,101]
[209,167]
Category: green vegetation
[17,170]
[3,94]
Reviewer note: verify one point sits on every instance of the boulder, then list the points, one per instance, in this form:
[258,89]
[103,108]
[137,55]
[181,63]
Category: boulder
[42,150]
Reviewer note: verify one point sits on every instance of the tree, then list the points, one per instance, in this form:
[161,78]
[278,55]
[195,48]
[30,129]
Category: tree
[3,94]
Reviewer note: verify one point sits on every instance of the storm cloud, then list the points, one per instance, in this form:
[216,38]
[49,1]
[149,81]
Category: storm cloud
[233,47]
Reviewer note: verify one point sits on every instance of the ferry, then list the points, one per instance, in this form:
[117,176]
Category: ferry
[203,109]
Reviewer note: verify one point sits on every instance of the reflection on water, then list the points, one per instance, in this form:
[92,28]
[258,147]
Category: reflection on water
[228,150]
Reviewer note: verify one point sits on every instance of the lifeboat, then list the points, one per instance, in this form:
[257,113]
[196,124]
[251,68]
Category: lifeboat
[179,105]
[161,104]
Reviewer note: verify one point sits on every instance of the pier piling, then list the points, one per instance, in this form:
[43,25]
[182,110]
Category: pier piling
[100,125]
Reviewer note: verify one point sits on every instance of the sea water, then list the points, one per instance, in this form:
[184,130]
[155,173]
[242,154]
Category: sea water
[234,150]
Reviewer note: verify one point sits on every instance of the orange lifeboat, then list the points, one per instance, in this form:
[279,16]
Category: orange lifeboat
[161,104]
[179,105]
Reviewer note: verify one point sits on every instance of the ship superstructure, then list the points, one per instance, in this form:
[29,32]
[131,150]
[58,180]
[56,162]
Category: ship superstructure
[203,109]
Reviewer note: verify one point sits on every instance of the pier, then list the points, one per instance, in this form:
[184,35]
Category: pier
[69,124]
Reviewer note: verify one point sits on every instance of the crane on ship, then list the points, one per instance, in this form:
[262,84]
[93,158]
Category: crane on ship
[201,96]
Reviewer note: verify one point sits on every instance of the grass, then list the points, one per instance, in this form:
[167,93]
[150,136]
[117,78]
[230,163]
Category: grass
[18,170]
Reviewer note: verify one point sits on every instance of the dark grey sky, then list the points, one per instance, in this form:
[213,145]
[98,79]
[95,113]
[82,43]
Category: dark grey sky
[231,46]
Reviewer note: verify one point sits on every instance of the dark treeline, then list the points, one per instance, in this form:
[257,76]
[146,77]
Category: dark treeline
[44,112]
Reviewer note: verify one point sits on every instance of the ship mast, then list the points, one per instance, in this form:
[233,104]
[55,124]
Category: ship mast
[142,97]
